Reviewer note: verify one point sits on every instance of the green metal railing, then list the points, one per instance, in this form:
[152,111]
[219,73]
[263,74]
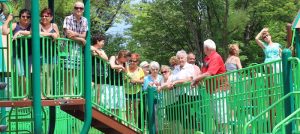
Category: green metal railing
[114,95]
[20,120]
[61,68]
[223,103]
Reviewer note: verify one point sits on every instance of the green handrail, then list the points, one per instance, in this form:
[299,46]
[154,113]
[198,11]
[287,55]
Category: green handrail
[286,121]
[268,109]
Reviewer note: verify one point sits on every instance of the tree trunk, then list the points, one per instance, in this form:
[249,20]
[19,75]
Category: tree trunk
[27,4]
[225,29]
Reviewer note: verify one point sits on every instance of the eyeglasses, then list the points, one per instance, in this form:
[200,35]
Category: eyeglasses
[80,8]
[163,72]
[45,16]
[266,36]
[23,17]
[154,69]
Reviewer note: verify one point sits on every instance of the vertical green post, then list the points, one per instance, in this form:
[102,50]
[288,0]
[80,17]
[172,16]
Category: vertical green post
[288,87]
[151,112]
[87,73]
[297,43]
[52,109]
[37,104]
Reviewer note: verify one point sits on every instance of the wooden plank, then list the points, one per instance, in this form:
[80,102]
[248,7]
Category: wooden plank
[100,120]
[28,103]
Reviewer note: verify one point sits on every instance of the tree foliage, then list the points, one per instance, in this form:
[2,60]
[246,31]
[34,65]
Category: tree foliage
[161,27]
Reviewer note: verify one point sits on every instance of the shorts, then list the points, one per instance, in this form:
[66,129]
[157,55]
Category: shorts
[112,97]
[19,65]
[219,106]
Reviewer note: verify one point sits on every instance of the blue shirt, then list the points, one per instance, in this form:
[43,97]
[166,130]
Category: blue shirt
[149,79]
[271,52]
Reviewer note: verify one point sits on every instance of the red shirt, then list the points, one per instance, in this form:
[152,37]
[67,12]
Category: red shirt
[214,65]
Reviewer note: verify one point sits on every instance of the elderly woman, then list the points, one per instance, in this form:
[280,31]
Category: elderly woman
[47,28]
[173,62]
[233,61]
[153,79]
[145,66]
[166,72]
[135,76]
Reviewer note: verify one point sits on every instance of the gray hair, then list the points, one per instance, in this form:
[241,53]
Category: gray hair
[181,52]
[154,64]
[209,44]
[79,3]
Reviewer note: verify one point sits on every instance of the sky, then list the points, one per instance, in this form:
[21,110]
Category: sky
[120,28]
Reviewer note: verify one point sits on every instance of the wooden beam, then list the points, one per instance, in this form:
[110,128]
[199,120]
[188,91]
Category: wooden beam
[28,103]
[100,120]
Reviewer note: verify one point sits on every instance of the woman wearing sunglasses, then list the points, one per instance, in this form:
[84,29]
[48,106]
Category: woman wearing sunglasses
[21,47]
[46,27]
[166,72]
[271,49]
[22,27]
[135,79]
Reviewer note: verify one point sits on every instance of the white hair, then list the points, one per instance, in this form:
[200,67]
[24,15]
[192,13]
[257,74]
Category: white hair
[154,64]
[181,52]
[79,3]
[209,44]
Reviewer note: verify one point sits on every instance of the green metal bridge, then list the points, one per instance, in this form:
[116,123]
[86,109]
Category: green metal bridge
[57,95]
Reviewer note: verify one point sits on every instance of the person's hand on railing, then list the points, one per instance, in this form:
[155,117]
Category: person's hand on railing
[17,34]
[9,17]
[154,84]
[82,41]
[70,34]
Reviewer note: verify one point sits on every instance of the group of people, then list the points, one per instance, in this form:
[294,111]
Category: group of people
[182,67]
[75,27]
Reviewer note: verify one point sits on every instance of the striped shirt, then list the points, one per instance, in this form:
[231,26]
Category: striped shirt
[80,27]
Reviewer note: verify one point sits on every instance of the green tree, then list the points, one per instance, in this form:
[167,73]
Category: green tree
[161,27]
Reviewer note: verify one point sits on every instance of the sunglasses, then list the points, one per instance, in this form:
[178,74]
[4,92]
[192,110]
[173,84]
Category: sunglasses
[23,17]
[80,8]
[266,36]
[163,72]
[45,16]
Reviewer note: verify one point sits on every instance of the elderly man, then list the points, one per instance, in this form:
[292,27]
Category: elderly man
[181,95]
[217,87]
[75,26]
[191,58]
[183,72]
